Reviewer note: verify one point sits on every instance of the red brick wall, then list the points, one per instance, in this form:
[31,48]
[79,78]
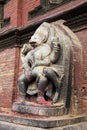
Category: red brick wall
[9,67]
[28,5]
[10,10]
[57,11]
[18,10]
[82,35]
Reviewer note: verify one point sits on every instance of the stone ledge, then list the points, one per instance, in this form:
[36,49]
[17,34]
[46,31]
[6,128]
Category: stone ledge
[12,126]
[43,122]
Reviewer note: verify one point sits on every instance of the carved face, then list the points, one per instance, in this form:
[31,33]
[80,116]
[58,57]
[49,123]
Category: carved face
[39,37]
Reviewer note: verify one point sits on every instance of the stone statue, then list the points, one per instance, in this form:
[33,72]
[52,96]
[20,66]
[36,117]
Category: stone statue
[49,85]
[39,63]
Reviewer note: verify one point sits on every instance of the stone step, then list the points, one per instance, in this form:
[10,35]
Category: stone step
[12,126]
[42,122]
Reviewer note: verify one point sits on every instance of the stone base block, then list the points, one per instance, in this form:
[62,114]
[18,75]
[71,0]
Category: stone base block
[36,109]
[12,126]
[41,123]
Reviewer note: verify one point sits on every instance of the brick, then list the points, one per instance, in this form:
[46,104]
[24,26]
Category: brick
[8,76]
[82,35]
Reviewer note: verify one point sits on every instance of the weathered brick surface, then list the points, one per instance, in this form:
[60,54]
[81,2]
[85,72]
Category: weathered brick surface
[10,10]
[83,38]
[16,73]
[18,10]
[8,76]
[28,5]
[7,64]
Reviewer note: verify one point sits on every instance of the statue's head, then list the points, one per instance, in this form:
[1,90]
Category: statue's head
[40,36]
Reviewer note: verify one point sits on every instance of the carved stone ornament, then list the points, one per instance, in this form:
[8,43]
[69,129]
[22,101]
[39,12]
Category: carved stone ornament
[48,79]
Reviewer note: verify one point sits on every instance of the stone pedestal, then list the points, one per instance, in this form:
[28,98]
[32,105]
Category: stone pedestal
[32,116]
[18,122]
[37,109]
[11,126]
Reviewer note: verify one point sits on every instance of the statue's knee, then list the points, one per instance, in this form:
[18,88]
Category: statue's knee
[48,71]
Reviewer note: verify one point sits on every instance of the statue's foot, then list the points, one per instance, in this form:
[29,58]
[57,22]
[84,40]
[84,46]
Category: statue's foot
[42,101]
[55,98]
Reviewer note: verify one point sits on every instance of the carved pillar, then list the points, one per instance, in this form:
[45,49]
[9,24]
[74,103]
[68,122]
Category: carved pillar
[1,12]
